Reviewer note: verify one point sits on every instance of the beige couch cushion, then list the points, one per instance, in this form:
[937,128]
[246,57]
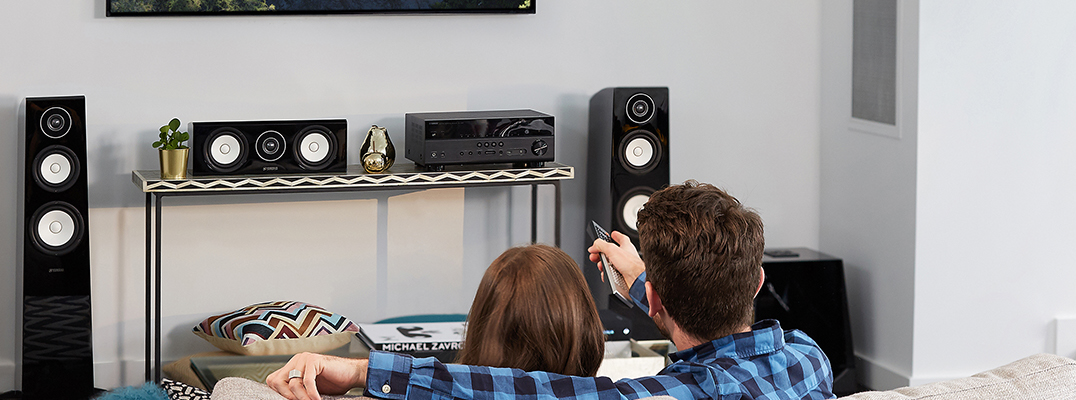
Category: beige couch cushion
[245,389]
[1039,377]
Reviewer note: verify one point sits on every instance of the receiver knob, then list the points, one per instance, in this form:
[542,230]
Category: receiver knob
[539,147]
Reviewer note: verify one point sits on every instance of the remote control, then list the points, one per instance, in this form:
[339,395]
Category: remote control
[616,280]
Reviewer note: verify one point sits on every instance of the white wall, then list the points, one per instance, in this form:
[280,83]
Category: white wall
[743,78]
[955,236]
[868,201]
[996,182]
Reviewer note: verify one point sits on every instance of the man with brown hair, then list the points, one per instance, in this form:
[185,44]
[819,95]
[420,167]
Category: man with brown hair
[700,270]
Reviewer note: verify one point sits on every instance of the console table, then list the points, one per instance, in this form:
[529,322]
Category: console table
[403,175]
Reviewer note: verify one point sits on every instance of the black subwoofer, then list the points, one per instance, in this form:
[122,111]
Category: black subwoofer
[805,290]
[57,346]
[269,147]
[627,160]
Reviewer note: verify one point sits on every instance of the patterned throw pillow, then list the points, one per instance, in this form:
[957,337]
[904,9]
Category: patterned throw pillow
[182,391]
[278,327]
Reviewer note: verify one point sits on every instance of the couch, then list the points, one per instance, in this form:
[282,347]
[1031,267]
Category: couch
[1038,377]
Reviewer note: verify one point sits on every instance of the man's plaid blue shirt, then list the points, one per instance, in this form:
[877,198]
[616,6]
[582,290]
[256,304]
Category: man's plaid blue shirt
[765,363]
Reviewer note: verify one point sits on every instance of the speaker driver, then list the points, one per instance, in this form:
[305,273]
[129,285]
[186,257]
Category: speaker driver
[628,209]
[270,146]
[57,228]
[640,152]
[314,148]
[55,122]
[56,168]
[640,108]
[226,150]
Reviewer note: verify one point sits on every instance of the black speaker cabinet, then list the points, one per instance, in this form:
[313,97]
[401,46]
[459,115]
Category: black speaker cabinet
[805,290]
[627,160]
[269,147]
[57,348]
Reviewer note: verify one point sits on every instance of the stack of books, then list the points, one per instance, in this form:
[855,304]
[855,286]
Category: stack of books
[433,339]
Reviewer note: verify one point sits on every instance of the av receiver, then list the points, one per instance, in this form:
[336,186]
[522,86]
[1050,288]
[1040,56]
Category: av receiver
[521,137]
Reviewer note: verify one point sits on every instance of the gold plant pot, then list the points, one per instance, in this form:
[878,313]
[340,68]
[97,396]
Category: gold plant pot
[174,164]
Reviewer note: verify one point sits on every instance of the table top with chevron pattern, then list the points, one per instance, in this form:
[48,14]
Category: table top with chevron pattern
[402,174]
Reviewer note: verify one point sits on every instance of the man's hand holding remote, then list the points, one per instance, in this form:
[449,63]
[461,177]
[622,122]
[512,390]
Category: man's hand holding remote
[622,255]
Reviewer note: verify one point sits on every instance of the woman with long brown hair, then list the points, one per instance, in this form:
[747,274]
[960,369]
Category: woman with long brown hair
[533,311]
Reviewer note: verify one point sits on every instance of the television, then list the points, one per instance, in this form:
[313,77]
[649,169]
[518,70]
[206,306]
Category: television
[134,8]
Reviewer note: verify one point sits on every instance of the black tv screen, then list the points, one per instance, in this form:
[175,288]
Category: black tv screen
[123,8]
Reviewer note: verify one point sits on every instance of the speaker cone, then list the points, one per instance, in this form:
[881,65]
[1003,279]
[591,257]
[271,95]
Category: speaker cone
[57,228]
[640,152]
[315,147]
[628,207]
[55,122]
[270,146]
[225,150]
[640,108]
[56,168]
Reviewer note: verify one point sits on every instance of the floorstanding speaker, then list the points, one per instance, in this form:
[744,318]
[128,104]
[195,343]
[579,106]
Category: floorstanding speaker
[805,290]
[627,160]
[57,350]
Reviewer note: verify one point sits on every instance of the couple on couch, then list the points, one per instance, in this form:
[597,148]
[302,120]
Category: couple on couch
[533,330]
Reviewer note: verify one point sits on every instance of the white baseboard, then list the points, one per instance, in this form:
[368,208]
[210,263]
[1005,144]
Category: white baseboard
[119,373]
[876,376]
[7,376]
[106,375]
[919,381]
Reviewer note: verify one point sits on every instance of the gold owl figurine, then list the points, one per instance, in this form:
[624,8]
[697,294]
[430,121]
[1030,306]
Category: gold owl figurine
[377,151]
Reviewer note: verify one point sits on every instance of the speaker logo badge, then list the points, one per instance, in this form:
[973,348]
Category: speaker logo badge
[377,150]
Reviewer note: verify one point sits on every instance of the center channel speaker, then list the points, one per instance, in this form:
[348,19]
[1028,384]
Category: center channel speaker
[57,347]
[627,160]
[269,147]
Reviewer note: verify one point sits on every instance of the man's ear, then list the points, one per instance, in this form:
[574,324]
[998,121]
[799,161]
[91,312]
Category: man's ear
[653,299]
[761,280]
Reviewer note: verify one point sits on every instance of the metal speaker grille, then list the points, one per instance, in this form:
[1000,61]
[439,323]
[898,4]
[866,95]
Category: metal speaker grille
[874,61]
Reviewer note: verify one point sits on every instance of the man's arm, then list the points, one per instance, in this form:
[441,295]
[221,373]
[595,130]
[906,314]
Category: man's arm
[397,377]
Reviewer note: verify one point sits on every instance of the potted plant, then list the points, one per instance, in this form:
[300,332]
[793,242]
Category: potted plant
[173,151]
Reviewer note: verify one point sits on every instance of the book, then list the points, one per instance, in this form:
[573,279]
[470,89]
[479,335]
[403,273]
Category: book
[423,339]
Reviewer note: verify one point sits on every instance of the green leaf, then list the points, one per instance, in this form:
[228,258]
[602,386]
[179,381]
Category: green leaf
[157,144]
[164,130]
[174,124]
